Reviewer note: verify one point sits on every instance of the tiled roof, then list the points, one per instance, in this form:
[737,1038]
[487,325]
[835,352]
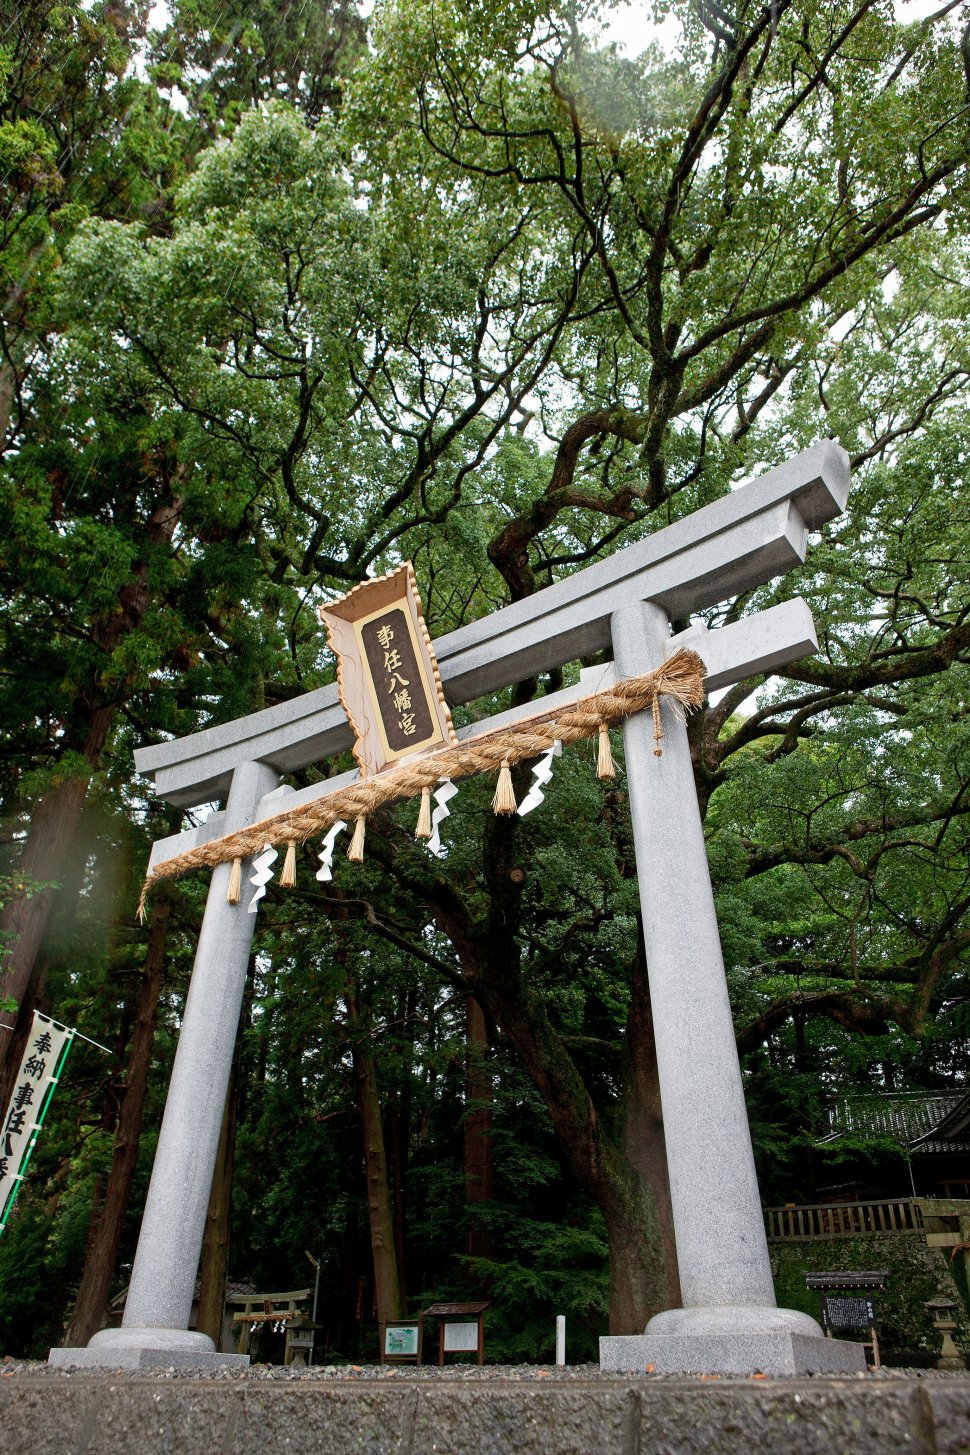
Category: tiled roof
[917,1118]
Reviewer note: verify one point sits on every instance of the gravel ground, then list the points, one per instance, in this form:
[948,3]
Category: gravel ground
[10,1368]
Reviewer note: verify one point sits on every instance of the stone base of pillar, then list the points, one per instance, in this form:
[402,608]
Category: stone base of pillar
[134,1348]
[722,1340]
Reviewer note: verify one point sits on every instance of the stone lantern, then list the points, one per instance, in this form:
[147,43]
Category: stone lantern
[943,1310]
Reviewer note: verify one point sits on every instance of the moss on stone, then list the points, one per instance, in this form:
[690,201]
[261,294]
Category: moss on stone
[916,1273]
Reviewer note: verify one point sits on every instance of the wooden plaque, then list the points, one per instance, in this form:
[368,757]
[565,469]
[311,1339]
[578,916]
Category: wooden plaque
[848,1311]
[401,1341]
[386,671]
[461,1338]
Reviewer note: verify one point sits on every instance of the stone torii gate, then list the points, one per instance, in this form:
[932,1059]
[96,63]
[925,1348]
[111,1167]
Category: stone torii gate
[729,1322]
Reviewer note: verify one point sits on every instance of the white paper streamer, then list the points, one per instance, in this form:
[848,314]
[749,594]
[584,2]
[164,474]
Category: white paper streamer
[439,813]
[542,772]
[262,874]
[325,872]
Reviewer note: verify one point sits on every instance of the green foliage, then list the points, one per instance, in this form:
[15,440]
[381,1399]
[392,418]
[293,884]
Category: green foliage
[13,887]
[31,1292]
[558,1268]
[280,310]
[226,59]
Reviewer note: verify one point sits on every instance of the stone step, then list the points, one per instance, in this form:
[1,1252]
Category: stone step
[536,1414]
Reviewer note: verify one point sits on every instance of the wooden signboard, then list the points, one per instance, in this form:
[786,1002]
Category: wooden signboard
[848,1311]
[401,1341]
[847,1302]
[460,1338]
[461,1328]
[386,671]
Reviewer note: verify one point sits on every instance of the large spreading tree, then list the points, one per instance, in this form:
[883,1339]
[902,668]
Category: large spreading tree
[502,300]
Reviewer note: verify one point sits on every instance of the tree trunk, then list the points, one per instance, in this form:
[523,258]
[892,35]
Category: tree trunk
[634,1203]
[640,1275]
[53,826]
[215,1241]
[399,1139]
[102,1252]
[398,1120]
[52,833]
[387,1286]
[803,1067]
[8,389]
[640,1216]
[478,1130]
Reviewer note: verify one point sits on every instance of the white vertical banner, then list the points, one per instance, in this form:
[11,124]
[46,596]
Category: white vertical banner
[36,1082]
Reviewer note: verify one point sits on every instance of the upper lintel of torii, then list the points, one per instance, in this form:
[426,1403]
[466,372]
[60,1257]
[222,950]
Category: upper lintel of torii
[737,543]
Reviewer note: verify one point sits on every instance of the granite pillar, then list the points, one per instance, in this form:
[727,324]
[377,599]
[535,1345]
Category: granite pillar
[729,1322]
[158,1308]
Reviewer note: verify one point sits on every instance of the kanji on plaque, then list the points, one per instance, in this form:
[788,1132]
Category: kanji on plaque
[386,671]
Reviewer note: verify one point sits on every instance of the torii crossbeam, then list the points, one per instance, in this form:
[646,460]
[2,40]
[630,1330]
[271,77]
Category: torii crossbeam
[729,1322]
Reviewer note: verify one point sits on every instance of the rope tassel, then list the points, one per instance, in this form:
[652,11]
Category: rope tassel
[356,851]
[235,883]
[658,728]
[288,873]
[423,830]
[605,767]
[504,800]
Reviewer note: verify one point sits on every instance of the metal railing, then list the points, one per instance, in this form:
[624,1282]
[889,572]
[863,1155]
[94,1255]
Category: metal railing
[842,1220]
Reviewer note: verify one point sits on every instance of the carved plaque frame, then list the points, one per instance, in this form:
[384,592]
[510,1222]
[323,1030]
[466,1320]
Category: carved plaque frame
[387,674]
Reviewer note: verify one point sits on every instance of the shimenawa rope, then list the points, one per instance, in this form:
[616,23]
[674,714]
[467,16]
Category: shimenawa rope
[680,678]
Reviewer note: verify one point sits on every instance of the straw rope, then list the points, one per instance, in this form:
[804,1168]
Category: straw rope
[680,678]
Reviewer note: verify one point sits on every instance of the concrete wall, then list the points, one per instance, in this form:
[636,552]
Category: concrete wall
[408,1414]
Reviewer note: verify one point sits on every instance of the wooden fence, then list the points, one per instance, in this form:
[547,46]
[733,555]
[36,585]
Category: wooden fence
[842,1220]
